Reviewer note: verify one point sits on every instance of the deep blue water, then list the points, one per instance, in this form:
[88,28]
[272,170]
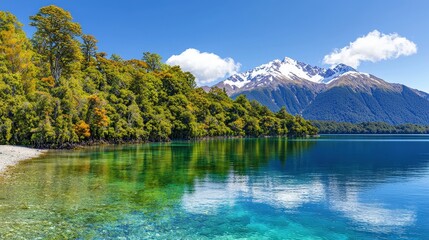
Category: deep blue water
[333,187]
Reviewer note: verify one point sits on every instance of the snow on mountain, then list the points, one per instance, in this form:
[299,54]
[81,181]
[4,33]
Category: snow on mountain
[288,69]
[333,73]
[338,94]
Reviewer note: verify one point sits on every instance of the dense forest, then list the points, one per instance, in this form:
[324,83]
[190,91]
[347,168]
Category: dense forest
[57,90]
[331,127]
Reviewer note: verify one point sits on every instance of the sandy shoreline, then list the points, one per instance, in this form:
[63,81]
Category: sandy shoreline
[11,155]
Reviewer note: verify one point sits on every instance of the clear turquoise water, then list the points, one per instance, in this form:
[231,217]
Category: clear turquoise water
[333,187]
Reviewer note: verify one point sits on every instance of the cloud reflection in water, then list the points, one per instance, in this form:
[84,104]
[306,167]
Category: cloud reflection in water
[207,197]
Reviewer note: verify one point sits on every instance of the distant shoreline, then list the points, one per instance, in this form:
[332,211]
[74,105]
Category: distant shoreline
[12,155]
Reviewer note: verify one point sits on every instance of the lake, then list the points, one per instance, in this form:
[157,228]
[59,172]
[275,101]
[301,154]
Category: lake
[332,187]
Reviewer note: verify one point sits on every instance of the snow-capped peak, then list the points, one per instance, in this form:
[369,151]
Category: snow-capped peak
[287,68]
[343,68]
[334,72]
[289,60]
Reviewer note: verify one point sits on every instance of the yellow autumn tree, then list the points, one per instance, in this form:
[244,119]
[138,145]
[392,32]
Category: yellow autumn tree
[82,130]
[16,50]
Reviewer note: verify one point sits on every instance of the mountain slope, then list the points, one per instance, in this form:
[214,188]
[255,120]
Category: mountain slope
[338,94]
[295,97]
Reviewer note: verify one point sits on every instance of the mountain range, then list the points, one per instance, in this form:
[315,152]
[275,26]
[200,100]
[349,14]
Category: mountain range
[340,93]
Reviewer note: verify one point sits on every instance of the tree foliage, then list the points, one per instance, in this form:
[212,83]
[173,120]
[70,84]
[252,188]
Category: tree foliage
[60,91]
[153,61]
[55,39]
[89,48]
[330,127]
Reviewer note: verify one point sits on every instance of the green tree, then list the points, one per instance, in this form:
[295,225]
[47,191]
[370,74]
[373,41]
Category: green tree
[153,61]
[116,58]
[55,39]
[89,47]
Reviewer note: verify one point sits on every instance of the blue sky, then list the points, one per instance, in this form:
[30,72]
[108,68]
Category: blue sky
[250,32]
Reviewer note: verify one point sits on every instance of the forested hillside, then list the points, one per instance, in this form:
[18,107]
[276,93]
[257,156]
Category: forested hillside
[331,127]
[57,90]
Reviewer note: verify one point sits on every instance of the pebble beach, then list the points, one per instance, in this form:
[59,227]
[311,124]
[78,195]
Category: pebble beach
[11,155]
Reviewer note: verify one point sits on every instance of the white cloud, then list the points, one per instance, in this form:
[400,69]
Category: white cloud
[206,67]
[373,47]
